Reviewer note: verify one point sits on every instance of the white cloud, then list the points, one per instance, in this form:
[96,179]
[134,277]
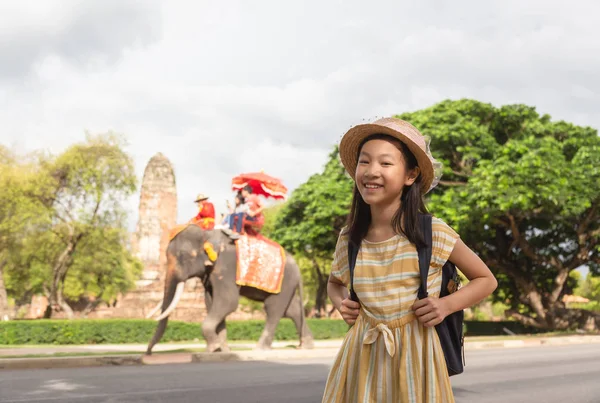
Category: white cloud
[242,86]
[89,34]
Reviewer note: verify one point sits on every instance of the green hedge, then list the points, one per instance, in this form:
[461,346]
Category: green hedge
[118,331]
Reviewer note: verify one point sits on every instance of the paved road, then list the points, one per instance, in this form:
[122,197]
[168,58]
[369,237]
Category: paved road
[543,374]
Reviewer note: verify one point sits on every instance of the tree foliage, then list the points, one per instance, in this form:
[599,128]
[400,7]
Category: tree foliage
[522,190]
[63,224]
[22,211]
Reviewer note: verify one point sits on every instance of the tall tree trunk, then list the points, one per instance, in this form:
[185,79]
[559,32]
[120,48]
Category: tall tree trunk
[64,305]
[58,272]
[321,295]
[546,309]
[3,297]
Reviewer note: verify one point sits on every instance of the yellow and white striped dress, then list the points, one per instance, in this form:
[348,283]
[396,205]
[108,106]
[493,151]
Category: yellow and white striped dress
[388,356]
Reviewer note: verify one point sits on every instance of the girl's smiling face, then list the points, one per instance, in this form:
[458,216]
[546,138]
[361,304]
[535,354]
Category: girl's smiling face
[382,172]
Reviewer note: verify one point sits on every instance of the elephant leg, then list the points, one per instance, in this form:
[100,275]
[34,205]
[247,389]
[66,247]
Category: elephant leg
[222,336]
[214,327]
[295,312]
[275,307]
[215,331]
[221,329]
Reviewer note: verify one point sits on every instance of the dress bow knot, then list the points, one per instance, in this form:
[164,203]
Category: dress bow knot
[388,337]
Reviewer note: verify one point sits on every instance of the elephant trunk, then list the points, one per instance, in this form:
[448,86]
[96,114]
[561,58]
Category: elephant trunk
[172,285]
[158,334]
[170,293]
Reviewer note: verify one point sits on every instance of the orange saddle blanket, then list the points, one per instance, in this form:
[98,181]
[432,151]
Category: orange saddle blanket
[260,263]
[173,232]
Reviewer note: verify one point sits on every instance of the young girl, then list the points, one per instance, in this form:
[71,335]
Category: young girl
[237,210]
[392,352]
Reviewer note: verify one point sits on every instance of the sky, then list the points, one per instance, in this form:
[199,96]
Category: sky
[222,88]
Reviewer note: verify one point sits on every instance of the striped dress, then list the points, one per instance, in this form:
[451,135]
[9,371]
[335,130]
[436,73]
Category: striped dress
[388,356]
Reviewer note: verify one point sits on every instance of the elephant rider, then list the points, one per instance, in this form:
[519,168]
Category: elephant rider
[205,218]
[236,210]
[254,218]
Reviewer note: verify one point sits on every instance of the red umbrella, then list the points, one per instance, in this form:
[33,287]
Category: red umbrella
[261,184]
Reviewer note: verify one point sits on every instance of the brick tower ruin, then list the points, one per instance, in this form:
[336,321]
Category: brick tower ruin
[157,215]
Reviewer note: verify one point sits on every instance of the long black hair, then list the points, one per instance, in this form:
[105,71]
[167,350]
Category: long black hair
[241,198]
[406,218]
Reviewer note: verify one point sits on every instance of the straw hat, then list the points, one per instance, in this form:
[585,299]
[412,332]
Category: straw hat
[200,197]
[401,130]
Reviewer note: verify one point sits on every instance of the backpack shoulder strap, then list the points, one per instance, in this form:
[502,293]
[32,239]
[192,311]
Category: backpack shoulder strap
[424,253]
[352,255]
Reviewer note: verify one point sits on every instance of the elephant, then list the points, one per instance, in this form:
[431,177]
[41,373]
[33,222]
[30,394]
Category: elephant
[186,258]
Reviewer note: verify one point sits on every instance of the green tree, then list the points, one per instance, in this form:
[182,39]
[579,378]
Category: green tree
[77,247]
[92,181]
[6,161]
[309,223]
[22,210]
[101,268]
[271,214]
[524,193]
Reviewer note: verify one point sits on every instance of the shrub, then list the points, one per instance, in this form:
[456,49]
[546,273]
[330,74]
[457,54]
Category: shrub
[117,331]
[121,331]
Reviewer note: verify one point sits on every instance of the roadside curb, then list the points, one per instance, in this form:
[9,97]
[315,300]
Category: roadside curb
[69,362]
[252,355]
[544,341]
[256,355]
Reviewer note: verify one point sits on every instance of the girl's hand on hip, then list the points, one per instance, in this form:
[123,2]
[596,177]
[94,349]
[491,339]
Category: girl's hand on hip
[349,310]
[430,311]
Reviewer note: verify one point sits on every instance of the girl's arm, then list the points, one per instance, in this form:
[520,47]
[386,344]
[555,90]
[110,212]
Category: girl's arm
[338,293]
[431,311]
[481,280]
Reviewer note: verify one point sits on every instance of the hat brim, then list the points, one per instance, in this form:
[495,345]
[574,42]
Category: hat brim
[349,147]
[201,199]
